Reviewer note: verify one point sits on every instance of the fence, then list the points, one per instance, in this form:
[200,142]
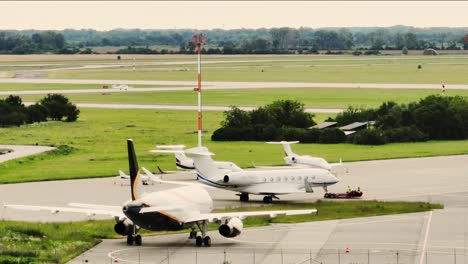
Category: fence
[267,256]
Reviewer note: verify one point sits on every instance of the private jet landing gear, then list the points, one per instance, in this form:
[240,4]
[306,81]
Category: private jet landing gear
[203,239]
[134,238]
[269,198]
[193,234]
[244,197]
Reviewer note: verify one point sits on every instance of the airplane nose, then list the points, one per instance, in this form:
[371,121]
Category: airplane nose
[333,178]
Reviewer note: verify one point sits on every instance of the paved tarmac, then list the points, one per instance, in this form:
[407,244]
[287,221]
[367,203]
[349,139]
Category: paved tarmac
[441,234]
[19,151]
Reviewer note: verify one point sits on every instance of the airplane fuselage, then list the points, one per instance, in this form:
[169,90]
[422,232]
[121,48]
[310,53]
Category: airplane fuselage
[273,181]
[174,207]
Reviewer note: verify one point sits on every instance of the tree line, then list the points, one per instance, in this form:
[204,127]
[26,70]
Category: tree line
[432,118]
[52,107]
[239,41]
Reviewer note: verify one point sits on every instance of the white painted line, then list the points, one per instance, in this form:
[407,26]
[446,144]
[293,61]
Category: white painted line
[423,250]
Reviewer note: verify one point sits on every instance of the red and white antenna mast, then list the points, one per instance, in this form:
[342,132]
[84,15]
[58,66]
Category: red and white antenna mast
[199,39]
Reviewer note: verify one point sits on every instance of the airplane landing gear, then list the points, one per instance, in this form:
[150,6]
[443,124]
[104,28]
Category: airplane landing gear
[244,197]
[193,234]
[203,239]
[325,189]
[267,199]
[134,238]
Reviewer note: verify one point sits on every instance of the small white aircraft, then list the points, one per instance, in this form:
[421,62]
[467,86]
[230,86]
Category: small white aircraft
[145,179]
[294,159]
[269,183]
[167,210]
[185,163]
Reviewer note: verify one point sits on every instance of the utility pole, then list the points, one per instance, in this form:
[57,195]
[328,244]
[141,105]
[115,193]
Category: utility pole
[199,39]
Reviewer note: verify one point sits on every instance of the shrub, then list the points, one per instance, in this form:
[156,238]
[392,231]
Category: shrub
[233,134]
[331,136]
[357,53]
[405,134]
[369,137]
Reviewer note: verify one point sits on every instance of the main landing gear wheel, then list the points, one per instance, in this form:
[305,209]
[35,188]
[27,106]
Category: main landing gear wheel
[193,234]
[198,241]
[130,240]
[244,197]
[138,240]
[203,239]
[207,241]
[267,199]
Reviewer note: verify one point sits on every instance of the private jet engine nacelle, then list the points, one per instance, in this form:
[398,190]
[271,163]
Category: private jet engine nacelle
[308,160]
[239,179]
[124,227]
[232,228]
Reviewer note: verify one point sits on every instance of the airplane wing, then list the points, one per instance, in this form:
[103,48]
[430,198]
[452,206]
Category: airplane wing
[214,217]
[158,179]
[88,211]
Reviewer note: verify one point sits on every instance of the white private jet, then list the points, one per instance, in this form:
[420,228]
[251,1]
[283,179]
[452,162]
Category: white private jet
[294,159]
[269,183]
[168,210]
[124,178]
[185,163]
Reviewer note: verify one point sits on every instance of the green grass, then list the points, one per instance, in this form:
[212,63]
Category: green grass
[313,97]
[95,146]
[381,69]
[22,242]
[61,86]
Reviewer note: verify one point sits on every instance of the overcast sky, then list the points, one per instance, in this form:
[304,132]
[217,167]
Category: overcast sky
[229,15]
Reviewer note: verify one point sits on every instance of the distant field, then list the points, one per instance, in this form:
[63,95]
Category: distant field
[451,70]
[97,148]
[312,97]
[60,86]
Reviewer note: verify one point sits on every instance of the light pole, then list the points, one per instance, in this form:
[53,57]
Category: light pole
[199,39]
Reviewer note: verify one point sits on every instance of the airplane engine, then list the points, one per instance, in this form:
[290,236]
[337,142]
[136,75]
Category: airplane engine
[232,228]
[290,160]
[124,227]
[238,179]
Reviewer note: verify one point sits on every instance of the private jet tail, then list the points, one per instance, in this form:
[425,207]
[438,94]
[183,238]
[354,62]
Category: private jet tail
[135,179]
[286,146]
[205,166]
[182,161]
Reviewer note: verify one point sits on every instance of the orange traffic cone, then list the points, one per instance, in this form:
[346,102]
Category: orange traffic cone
[347,250]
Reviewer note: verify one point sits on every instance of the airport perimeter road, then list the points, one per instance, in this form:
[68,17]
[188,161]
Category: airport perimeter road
[189,107]
[442,233]
[19,151]
[220,85]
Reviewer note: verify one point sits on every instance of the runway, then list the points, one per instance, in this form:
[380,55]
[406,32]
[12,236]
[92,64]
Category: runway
[442,233]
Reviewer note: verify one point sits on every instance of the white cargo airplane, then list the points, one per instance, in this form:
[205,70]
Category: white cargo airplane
[168,210]
[185,163]
[294,159]
[269,183]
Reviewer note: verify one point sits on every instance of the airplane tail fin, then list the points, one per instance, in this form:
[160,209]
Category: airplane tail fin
[135,179]
[204,164]
[122,175]
[182,161]
[286,146]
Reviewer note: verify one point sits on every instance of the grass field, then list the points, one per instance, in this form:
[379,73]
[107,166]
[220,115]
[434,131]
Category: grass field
[22,242]
[311,97]
[378,69]
[60,86]
[95,145]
